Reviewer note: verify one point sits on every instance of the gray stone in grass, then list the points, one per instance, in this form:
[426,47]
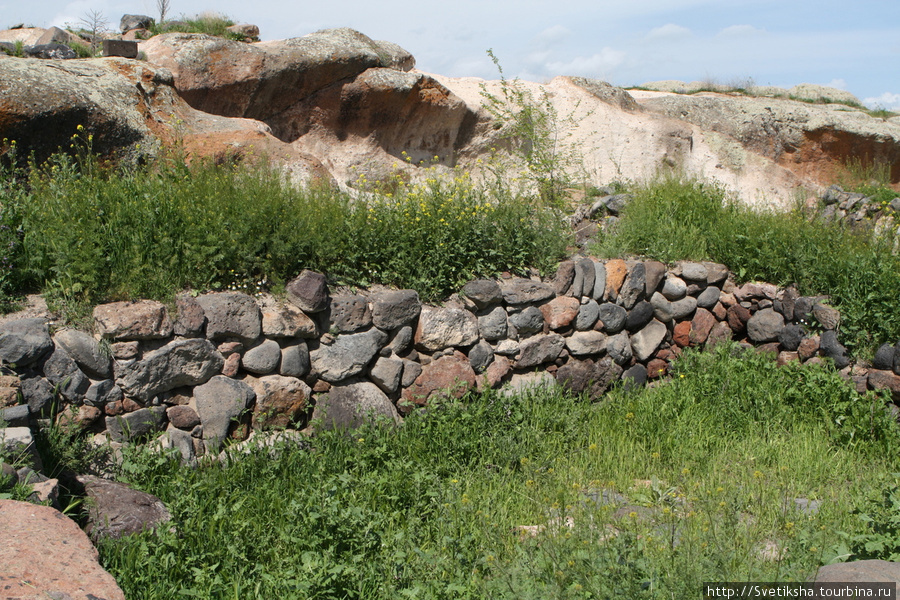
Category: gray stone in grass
[831,348]
[137,424]
[351,405]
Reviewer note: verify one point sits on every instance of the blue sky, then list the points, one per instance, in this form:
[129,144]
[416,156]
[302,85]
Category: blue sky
[851,45]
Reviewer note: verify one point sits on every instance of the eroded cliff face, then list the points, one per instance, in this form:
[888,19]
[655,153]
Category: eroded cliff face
[336,104]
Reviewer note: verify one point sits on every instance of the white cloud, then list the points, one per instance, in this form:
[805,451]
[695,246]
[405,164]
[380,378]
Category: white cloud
[740,31]
[669,31]
[553,35]
[886,100]
[838,84]
[589,66]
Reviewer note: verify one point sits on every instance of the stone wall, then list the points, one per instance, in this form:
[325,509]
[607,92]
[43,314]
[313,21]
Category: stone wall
[225,364]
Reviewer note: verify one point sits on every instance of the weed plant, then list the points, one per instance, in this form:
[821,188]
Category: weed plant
[86,233]
[673,219]
[708,467]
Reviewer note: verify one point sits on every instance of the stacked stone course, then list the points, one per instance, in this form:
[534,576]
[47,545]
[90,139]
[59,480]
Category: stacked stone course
[226,364]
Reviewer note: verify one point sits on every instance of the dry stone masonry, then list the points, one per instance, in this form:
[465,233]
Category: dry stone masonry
[227,364]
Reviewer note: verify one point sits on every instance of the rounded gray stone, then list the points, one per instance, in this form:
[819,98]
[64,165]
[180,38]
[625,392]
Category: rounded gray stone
[528,321]
[613,317]
[262,359]
[492,324]
[765,326]
[588,313]
[294,360]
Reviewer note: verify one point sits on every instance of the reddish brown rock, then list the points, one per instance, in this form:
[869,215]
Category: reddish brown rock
[681,335]
[494,374]
[770,348]
[450,375]
[46,555]
[737,317]
[141,320]
[113,409]
[560,312]
[232,365]
[81,417]
[657,368]
[785,357]
[280,401]
[226,349]
[808,348]
[885,380]
[701,326]
[720,312]
[720,332]
[9,396]
[183,417]
[130,405]
[616,271]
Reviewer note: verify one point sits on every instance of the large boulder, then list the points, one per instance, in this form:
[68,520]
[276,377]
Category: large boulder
[131,109]
[261,81]
[46,555]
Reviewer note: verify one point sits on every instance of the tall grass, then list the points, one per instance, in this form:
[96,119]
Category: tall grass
[672,219]
[94,234]
[708,467]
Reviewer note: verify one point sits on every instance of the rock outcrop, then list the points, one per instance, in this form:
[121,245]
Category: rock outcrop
[337,105]
[46,555]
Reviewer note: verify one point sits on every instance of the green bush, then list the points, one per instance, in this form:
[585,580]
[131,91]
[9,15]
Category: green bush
[673,219]
[92,234]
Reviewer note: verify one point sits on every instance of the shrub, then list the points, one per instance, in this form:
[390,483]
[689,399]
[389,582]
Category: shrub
[94,234]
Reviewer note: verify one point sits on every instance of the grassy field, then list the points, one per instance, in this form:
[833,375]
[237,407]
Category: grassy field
[694,480]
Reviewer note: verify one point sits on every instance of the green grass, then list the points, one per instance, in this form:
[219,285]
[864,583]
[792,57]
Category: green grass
[87,234]
[208,23]
[671,219]
[431,509]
